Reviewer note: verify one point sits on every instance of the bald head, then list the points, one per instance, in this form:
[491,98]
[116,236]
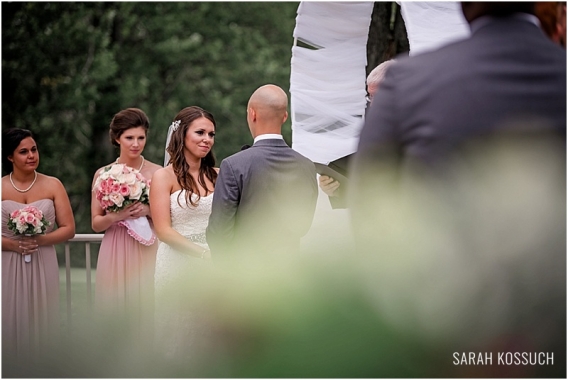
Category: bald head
[267,110]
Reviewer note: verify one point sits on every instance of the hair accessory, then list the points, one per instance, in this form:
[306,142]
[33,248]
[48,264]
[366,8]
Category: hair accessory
[175,125]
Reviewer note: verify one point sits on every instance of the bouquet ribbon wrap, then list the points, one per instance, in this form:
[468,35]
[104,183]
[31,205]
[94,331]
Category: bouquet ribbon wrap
[140,230]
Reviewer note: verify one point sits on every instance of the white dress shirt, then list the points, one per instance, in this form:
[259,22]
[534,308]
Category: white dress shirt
[267,136]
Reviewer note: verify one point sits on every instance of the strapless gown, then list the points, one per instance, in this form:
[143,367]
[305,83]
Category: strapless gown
[30,291]
[177,324]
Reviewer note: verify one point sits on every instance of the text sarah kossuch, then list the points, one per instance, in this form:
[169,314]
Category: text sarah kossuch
[503,358]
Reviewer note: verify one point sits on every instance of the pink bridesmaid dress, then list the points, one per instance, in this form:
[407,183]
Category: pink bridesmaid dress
[30,292]
[125,278]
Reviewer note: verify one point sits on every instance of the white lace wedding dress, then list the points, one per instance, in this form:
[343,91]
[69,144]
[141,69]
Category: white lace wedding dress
[177,324]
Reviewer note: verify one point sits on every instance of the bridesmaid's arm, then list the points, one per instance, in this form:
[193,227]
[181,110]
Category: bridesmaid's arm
[160,191]
[63,216]
[10,244]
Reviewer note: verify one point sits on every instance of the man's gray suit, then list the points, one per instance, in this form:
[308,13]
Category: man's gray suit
[264,200]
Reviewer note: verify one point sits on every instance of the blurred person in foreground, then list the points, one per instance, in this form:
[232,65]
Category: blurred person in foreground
[329,185]
[457,192]
[30,290]
[265,196]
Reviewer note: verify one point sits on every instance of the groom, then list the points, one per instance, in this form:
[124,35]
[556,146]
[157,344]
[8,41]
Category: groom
[265,196]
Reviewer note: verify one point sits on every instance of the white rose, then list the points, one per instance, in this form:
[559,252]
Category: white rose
[21,227]
[129,179]
[103,175]
[116,170]
[116,198]
[135,191]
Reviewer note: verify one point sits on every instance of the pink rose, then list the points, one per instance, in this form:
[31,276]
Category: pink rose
[30,218]
[15,214]
[115,188]
[22,218]
[124,190]
[103,186]
[29,209]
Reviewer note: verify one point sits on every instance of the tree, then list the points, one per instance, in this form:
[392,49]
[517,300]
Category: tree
[387,34]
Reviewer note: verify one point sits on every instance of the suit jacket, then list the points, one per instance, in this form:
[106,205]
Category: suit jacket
[506,76]
[264,200]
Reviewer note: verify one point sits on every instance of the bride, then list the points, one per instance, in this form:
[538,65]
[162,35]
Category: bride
[181,195]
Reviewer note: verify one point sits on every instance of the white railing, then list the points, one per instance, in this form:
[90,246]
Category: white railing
[87,239]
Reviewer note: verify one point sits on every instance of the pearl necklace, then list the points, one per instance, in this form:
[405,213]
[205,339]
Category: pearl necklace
[29,187]
[142,164]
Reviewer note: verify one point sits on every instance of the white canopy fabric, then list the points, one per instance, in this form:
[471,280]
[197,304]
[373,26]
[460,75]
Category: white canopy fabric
[327,87]
[327,83]
[430,25]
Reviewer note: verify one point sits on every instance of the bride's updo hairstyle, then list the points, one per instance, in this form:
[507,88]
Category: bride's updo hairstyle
[126,119]
[176,147]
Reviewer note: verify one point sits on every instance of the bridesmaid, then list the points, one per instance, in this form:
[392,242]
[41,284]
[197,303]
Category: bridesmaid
[125,267]
[30,290]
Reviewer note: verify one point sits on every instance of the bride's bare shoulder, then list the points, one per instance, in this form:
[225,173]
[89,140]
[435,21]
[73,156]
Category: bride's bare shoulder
[165,174]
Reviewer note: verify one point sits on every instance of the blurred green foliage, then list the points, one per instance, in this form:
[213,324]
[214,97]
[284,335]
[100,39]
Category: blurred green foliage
[68,67]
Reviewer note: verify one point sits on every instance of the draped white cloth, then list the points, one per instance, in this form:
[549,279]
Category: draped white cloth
[430,25]
[327,83]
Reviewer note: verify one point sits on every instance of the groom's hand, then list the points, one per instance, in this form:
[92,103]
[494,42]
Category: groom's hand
[328,185]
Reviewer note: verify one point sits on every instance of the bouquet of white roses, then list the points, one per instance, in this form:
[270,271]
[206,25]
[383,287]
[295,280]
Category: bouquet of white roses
[28,221]
[117,187]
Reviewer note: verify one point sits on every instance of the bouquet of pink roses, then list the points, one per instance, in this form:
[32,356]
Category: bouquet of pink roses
[28,221]
[117,187]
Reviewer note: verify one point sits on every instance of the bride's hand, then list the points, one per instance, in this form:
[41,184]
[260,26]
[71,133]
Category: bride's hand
[207,255]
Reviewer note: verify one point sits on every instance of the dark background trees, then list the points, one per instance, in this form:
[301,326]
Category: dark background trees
[68,67]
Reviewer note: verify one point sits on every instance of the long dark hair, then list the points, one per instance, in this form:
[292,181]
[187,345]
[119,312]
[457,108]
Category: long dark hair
[175,149]
[11,138]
